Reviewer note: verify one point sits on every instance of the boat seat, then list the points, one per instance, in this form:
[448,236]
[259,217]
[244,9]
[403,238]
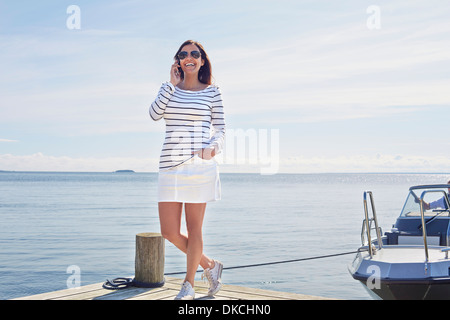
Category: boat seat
[408,231]
[405,240]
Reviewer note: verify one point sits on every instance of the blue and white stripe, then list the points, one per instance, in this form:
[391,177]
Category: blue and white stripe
[194,120]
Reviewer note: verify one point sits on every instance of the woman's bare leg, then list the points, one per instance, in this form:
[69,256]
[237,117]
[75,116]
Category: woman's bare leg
[170,220]
[195,213]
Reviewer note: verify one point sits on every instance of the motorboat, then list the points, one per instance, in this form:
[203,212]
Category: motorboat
[409,262]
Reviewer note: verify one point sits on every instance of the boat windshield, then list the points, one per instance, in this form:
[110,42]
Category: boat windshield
[435,203]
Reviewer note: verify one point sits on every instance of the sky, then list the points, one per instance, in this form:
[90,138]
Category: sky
[308,86]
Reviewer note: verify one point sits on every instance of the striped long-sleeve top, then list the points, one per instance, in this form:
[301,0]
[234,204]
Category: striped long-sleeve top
[194,120]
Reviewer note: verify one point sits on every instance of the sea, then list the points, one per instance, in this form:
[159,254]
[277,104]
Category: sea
[54,225]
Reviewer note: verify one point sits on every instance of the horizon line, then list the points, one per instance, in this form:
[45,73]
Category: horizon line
[256,173]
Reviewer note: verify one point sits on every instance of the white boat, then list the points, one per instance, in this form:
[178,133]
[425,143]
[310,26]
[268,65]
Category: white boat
[409,262]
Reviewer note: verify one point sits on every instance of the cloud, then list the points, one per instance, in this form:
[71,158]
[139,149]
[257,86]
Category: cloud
[340,72]
[332,70]
[300,63]
[362,163]
[97,109]
[41,162]
[377,163]
[8,140]
[89,80]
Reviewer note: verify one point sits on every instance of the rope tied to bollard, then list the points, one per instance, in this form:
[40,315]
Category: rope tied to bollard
[122,283]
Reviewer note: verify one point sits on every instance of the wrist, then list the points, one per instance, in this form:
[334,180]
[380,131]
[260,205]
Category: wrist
[171,85]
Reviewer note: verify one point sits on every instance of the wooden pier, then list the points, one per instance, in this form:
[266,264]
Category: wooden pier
[149,269]
[167,292]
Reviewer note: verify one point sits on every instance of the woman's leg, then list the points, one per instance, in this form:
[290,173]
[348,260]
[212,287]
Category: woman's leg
[170,221]
[195,213]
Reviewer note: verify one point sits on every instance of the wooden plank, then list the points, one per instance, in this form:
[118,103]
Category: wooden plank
[168,292]
[64,292]
[266,294]
[233,290]
[105,294]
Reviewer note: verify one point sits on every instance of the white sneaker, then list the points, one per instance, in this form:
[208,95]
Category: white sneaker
[186,292]
[214,277]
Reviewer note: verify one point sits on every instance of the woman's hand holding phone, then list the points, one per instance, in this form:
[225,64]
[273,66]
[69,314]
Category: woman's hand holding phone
[175,77]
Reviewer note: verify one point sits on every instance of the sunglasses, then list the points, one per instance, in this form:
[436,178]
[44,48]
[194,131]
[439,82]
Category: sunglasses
[194,54]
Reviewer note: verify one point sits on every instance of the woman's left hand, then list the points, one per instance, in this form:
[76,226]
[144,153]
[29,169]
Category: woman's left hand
[206,153]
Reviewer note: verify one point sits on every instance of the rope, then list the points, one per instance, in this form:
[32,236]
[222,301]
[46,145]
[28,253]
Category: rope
[118,283]
[122,283]
[275,262]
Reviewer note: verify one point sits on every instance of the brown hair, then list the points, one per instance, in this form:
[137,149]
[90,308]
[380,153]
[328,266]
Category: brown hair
[204,74]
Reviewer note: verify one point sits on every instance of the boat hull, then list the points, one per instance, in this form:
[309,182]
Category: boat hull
[400,273]
[404,289]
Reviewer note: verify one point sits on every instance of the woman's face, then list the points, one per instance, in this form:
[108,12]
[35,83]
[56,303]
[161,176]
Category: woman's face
[191,65]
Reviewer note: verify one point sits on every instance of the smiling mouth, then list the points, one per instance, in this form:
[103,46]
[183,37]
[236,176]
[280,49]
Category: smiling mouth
[189,64]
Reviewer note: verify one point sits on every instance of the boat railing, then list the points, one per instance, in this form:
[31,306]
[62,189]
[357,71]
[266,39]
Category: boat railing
[424,224]
[367,224]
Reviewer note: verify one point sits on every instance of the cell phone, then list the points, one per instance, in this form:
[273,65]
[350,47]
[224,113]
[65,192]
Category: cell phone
[180,71]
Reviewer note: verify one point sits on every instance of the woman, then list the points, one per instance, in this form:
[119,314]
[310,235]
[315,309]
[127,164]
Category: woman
[188,172]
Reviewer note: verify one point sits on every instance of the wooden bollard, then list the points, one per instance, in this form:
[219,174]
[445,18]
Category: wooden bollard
[149,261]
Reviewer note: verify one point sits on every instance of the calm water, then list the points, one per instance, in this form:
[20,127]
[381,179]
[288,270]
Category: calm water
[50,221]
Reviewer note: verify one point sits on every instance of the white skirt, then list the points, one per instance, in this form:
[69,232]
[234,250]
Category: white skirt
[195,181]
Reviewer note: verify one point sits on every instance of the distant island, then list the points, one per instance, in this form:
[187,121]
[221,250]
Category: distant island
[122,171]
